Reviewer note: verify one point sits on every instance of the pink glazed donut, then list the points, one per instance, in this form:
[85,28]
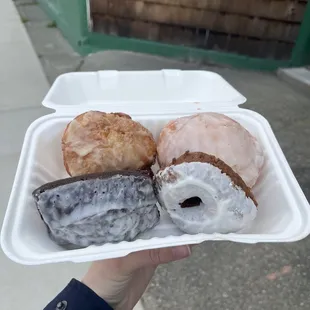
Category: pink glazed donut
[214,134]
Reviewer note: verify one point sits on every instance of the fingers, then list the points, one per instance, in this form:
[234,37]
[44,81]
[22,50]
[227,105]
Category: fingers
[155,257]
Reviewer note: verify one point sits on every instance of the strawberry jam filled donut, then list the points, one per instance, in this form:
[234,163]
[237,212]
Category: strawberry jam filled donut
[214,134]
[96,142]
[202,194]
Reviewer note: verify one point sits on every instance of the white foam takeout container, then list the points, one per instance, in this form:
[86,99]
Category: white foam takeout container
[152,98]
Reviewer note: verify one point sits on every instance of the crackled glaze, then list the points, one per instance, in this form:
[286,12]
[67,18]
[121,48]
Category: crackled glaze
[100,210]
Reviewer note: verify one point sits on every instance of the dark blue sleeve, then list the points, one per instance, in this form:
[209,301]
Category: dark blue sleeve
[77,296]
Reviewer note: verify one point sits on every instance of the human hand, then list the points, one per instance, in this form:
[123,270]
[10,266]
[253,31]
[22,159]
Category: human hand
[122,281]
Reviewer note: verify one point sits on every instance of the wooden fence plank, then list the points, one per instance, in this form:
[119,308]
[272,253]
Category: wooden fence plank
[180,16]
[191,37]
[286,10]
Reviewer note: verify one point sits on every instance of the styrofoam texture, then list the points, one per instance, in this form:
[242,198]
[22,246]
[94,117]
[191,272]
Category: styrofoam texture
[141,92]
[283,215]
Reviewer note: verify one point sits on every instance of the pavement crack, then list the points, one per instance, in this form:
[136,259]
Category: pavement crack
[79,66]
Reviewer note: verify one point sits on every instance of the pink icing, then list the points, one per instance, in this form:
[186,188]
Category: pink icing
[214,134]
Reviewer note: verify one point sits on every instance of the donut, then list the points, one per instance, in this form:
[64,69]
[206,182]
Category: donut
[214,134]
[202,194]
[98,208]
[96,142]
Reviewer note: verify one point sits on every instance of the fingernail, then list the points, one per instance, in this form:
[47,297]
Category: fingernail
[181,252]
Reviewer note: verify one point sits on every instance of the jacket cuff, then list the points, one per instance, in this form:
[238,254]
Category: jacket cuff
[77,296]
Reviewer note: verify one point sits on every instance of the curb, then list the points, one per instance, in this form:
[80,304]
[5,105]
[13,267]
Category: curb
[298,77]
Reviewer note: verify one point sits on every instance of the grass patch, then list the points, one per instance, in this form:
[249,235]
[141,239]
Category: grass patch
[28,3]
[52,24]
[24,20]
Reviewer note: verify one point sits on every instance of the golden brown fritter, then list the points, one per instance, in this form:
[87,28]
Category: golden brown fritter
[99,142]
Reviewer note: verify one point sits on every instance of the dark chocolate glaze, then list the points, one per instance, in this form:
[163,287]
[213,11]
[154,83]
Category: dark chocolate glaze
[98,208]
[105,175]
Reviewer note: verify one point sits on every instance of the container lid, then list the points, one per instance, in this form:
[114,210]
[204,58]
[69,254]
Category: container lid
[141,92]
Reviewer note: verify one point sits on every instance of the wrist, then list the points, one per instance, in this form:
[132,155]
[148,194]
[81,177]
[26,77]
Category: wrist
[106,288]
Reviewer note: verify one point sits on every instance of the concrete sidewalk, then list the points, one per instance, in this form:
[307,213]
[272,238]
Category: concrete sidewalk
[22,87]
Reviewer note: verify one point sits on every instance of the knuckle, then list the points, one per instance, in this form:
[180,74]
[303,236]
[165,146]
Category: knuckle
[155,256]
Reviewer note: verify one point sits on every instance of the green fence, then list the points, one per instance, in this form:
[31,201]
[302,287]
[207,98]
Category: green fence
[71,17]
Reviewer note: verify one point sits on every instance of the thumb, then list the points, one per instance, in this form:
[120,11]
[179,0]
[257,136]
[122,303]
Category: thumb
[156,257]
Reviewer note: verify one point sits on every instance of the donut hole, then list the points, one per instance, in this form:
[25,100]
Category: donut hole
[191,202]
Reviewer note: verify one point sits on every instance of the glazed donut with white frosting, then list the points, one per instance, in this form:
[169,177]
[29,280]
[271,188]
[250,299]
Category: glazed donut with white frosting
[202,194]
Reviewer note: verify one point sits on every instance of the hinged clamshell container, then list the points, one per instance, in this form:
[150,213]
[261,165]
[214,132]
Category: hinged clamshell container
[152,98]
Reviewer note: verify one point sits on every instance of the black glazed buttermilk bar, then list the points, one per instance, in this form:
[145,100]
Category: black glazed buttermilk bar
[98,208]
